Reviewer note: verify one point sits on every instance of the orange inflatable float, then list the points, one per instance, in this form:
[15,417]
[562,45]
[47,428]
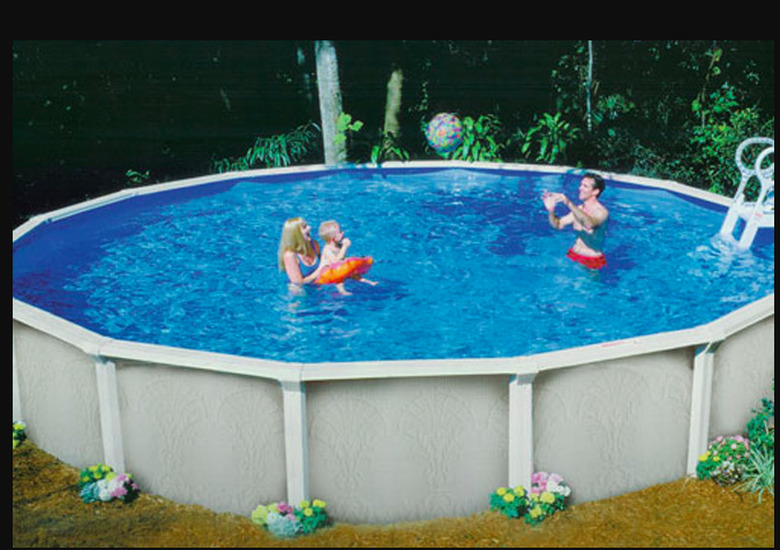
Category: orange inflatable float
[343,269]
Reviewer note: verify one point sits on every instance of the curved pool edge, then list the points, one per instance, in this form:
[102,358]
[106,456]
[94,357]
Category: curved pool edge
[325,413]
[96,345]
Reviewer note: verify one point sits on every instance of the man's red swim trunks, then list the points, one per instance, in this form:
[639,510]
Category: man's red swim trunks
[591,262]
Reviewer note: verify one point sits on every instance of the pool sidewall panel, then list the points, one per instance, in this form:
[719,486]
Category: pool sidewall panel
[202,437]
[406,449]
[614,426]
[59,397]
[743,375]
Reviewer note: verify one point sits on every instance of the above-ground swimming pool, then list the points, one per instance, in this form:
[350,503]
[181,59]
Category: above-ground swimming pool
[466,262]
[153,331]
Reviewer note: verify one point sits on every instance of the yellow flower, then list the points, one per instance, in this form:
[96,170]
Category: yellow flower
[703,457]
[716,459]
[501,491]
[509,497]
[308,512]
[519,491]
[547,497]
[317,503]
[536,512]
[303,504]
[259,514]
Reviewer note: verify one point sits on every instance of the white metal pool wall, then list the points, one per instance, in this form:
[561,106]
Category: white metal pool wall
[387,441]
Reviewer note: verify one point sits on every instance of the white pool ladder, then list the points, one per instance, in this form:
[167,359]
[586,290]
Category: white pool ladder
[760,213]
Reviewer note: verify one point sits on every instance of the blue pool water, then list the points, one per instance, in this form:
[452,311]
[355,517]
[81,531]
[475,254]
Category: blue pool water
[466,262]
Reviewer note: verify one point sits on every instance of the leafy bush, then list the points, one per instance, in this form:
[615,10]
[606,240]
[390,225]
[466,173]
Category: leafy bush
[759,475]
[725,460]
[761,428]
[725,124]
[388,148]
[481,140]
[273,152]
[549,494]
[19,433]
[285,520]
[548,139]
[751,460]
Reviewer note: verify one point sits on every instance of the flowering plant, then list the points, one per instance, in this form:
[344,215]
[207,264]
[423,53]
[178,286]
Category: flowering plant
[548,495]
[512,503]
[101,483]
[725,459]
[19,433]
[284,520]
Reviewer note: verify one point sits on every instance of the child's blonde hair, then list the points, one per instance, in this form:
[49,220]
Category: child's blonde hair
[292,239]
[329,230]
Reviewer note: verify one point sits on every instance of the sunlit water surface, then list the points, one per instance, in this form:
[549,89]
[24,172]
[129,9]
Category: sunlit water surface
[466,264]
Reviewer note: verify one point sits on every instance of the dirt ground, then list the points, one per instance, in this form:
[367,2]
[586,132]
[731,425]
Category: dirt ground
[48,512]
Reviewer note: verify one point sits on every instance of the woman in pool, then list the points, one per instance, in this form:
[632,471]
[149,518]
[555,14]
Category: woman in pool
[298,252]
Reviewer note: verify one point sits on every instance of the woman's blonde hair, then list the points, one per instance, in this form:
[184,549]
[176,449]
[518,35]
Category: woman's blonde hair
[292,239]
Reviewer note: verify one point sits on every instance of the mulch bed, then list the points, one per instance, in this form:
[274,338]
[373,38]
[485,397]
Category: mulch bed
[48,512]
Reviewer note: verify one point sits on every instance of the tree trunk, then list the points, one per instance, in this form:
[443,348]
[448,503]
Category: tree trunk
[330,101]
[590,83]
[393,103]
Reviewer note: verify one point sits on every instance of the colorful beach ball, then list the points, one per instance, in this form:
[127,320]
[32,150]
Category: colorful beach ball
[444,133]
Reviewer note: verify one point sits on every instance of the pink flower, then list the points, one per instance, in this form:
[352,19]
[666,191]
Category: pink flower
[284,508]
[556,478]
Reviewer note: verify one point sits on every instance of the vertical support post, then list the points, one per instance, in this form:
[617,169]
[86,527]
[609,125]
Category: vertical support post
[701,400]
[295,441]
[521,430]
[110,423]
[16,397]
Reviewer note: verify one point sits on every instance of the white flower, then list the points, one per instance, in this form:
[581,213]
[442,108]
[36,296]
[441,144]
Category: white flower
[558,488]
[105,488]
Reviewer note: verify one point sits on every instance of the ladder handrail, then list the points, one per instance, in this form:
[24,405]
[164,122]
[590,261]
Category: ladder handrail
[753,170]
[764,175]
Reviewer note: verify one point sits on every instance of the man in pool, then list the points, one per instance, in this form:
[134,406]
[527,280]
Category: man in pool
[589,221]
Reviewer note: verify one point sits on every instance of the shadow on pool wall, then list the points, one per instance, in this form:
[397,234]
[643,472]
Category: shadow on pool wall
[388,441]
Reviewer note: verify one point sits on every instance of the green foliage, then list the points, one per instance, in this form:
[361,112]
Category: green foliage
[750,461]
[761,428]
[275,151]
[137,178]
[547,140]
[725,460]
[19,433]
[670,109]
[759,475]
[481,140]
[94,473]
[345,126]
[724,125]
[388,148]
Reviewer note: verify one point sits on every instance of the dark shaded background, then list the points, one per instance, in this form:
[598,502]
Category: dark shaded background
[85,112]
